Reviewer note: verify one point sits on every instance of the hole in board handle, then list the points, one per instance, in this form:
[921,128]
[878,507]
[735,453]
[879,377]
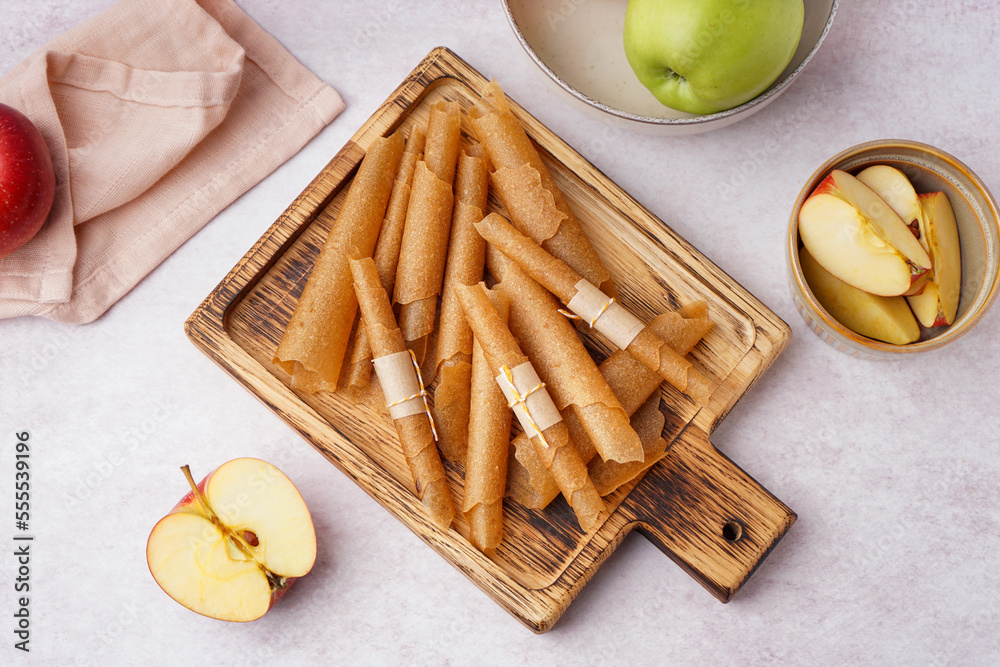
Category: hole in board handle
[732,530]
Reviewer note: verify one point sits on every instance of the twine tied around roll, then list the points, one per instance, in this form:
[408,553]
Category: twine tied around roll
[521,399]
[422,394]
[574,316]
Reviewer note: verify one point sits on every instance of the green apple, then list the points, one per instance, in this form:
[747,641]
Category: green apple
[705,56]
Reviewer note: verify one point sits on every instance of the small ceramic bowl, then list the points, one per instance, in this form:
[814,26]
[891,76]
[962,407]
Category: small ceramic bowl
[578,46]
[929,169]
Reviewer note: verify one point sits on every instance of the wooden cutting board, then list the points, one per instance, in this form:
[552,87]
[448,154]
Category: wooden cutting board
[695,504]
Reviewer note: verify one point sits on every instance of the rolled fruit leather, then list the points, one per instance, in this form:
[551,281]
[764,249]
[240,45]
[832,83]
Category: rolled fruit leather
[535,203]
[411,416]
[466,256]
[610,318]
[486,460]
[533,406]
[530,484]
[313,346]
[385,255]
[565,365]
[423,251]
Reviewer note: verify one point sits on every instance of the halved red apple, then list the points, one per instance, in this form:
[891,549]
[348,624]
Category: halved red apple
[937,305]
[233,545]
[855,235]
[883,318]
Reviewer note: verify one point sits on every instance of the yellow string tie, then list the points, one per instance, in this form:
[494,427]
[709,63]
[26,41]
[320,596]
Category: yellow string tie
[521,400]
[604,308]
[421,394]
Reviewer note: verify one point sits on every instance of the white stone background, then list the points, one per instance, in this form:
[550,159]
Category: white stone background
[891,466]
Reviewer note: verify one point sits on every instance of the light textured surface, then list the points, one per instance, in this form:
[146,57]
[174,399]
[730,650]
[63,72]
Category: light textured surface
[891,466]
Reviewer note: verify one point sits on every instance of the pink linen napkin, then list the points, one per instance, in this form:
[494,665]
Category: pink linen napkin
[158,114]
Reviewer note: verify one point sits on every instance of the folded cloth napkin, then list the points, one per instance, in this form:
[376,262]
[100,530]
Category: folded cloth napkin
[158,114]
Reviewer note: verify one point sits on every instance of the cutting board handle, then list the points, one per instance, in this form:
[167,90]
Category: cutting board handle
[707,514]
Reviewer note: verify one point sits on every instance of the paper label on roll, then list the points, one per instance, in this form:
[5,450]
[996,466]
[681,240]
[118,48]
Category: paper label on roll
[602,312]
[399,383]
[529,399]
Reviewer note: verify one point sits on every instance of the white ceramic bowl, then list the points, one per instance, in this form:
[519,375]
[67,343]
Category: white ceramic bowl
[578,45]
[929,169]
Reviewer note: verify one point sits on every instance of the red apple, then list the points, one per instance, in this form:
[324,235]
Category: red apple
[27,180]
[233,545]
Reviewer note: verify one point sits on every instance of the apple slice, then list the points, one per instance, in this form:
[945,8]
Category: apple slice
[233,545]
[918,285]
[895,189]
[884,318]
[937,305]
[932,220]
[840,239]
[881,216]
[857,237]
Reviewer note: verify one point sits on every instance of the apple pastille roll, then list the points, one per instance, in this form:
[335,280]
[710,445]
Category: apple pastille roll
[602,312]
[521,487]
[533,200]
[466,256]
[648,422]
[489,438]
[423,249]
[565,365]
[313,346]
[406,398]
[533,406]
[530,484]
[386,254]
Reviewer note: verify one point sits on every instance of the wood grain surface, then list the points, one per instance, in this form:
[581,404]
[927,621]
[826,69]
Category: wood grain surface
[695,504]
